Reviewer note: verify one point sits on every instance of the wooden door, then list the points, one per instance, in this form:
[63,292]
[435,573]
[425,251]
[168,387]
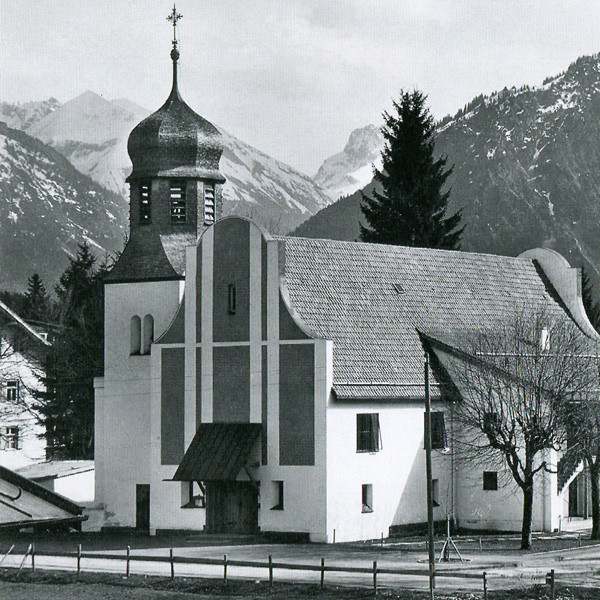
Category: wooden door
[142,507]
[231,507]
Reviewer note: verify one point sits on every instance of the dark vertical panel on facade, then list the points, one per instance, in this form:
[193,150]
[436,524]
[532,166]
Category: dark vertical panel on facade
[231,384]
[172,405]
[198,386]
[288,330]
[297,404]
[199,292]
[263,287]
[231,267]
[263,411]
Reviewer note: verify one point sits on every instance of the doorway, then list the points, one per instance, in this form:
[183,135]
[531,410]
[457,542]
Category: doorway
[231,507]
[142,507]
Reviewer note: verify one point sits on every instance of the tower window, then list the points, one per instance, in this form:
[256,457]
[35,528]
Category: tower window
[278,493]
[148,334]
[145,205]
[367,497]
[136,335]
[177,195]
[368,434]
[490,480]
[209,204]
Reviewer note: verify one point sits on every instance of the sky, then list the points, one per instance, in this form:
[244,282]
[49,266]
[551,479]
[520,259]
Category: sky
[291,77]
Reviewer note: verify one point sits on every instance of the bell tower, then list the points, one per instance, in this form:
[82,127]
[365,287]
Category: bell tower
[175,184]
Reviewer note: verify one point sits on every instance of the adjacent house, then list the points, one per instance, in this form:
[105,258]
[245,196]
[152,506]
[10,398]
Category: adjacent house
[268,383]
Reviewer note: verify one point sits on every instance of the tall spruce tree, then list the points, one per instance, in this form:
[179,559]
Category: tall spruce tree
[76,357]
[37,303]
[411,208]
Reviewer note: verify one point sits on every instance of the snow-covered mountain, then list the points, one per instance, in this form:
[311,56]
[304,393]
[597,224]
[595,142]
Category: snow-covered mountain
[526,171]
[22,116]
[352,169]
[92,133]
[47,208]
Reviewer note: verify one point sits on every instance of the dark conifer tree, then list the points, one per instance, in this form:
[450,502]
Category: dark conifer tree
[76,357]
[591,305]
[411,208]
[37,303]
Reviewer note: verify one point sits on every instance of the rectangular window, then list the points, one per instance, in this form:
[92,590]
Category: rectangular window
[194,496]
[367,497]
[209,204]
[278,493]
[145,206]
[177,195]
[12,390]
[231,299]
[439,440]
[368,433]
[490,480]
[10,438]
[435,488]
[491,422]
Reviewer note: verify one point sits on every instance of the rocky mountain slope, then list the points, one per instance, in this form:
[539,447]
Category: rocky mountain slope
[47,207]
[526,171]
[352,169]
[22,116]
[92,133]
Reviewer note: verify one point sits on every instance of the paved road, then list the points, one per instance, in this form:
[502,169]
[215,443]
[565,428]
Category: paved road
[577,566]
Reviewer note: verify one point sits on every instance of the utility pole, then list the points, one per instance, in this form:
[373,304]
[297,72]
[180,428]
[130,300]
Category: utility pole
[429,480]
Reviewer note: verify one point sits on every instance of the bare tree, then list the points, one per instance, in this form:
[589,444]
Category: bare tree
[512,381]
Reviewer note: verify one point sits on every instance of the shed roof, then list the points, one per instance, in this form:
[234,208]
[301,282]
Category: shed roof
[371,300]
[218,451]
[55,469]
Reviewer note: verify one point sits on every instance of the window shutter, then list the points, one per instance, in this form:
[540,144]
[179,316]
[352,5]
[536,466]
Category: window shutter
[375,432]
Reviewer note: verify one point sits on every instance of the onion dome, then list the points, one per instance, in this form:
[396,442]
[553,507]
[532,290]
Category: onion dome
[175,141]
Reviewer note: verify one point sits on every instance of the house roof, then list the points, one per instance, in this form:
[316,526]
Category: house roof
[372,299]
[25,503]
[56,469]
[7,312]
[218,451]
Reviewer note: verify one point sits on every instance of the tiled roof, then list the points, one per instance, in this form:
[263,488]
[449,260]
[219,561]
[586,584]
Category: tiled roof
[218,452]
[370,300]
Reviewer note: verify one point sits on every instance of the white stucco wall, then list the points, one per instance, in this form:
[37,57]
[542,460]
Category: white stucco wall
[397,471]
[123,448]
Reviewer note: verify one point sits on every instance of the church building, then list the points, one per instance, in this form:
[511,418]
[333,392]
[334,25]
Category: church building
[275,384]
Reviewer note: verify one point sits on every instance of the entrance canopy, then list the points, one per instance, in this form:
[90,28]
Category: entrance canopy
[218,452]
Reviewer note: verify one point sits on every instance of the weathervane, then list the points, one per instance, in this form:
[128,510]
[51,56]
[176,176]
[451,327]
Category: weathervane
[174,16]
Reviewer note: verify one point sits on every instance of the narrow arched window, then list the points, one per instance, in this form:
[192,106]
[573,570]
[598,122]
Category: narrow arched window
[136,334]
[148,334]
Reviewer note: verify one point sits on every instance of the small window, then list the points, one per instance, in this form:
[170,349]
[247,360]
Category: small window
[367,497]
[194,495]
[231,299]
[368,433]
[209,204]
[136,335]
[435,489]
[10,438]
[491,422]
[148,334]
[145,205]
[439,440]
[12,390]
[490,480]
[278,493]
[177,195]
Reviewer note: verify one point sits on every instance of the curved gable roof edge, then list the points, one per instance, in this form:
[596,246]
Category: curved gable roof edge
[566,280]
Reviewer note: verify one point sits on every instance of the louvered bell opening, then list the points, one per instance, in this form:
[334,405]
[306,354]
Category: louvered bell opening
[145,209]
[209,204]
[177,196]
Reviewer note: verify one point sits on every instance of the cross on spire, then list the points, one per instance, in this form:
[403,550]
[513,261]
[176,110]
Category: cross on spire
[174,16]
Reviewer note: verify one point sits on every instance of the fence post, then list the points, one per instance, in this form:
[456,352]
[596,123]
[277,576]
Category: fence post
[78,559]
[551,584]
[375,576]
[33,557]
[484,585]
[172,560]
[322,572]
[225,568]
[579,540]
[270,570]
[127,563]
